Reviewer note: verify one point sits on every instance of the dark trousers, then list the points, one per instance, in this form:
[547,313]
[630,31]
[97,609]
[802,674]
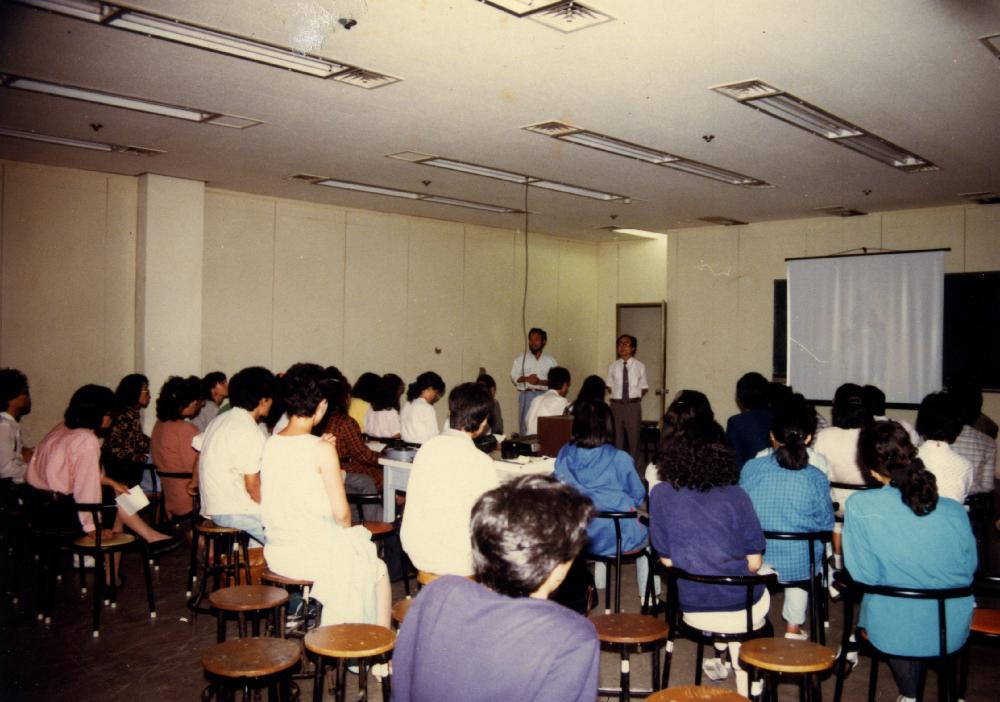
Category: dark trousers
[628,423]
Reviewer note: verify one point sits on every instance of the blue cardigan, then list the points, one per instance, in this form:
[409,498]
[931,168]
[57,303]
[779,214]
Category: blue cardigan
[608,477]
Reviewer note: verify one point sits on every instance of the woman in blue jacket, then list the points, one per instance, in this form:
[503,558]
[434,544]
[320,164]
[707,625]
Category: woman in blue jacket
[594,467]
[905,535]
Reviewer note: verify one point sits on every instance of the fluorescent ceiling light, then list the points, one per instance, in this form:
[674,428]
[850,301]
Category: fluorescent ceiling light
[469,204]
[640,233]
[224,43]
[150,24]
[799,113]
[405,194]
[576,190]
[375,189]
[475,169]
[618,147]
[77,143]
[713,173]
[992,43]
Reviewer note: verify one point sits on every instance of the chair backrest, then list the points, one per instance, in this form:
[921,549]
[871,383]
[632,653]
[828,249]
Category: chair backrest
[853,487]
[747,582]
[812,537]
[857,590]
[52,510]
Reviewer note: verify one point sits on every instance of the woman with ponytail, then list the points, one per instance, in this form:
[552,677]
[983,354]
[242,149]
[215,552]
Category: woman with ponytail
[905,535]
[790,495]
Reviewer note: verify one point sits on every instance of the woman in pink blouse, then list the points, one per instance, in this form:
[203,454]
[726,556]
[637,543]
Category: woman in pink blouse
[171,440]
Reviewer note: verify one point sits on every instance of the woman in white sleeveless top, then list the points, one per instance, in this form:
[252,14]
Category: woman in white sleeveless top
[307,518]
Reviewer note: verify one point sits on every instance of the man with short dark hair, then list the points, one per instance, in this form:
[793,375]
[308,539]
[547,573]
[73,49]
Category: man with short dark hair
[500,638]
[529,374]
[15,402]
[229,465]
[449,474]
[552,403]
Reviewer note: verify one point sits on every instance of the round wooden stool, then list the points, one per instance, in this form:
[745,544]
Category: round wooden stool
[250,663]
[290,585]
[253,600]
[426,578]
[696,693]
[399,610]
[104,553]
[345,642]
[224,554]
[777,657]
[625,631]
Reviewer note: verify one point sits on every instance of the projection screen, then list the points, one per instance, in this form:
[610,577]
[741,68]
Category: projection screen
[868,319]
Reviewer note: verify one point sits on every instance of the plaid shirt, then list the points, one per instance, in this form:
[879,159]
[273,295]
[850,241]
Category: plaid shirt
[355,456]
[793,501]
[981,451]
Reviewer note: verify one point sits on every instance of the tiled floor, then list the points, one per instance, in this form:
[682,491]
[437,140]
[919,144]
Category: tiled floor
[137,658]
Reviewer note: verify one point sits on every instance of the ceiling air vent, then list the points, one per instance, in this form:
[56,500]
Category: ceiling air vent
[137,150]
[411,156]
[840,211]
[724,221]
[981,198]
[551,129]
[570,16]
[362,78]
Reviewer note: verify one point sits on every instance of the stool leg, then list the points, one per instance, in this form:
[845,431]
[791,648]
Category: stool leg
[341,679]
[363,679]
[873,679]
[193,562]
[656,668]
[148,575]
[98,590]
[319,679]
[241,618]
[220,631]
[697,664]
[625,691]
[963,671]
[386,681]
[668,655]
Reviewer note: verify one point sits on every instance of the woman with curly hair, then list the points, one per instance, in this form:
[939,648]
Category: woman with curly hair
[702,522]
[905,535]
[171,440]
[688,405]
[127,446]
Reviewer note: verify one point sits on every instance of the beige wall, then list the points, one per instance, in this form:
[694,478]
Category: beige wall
[67,291]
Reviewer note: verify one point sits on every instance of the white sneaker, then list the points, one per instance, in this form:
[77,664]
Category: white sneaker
[906,699]
[715,669]
[801,636]
[88,561]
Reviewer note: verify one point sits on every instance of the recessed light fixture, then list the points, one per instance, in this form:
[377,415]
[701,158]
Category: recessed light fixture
[992,44]
[724,221]
[189,34]
[77,143]
[506,176]
[981,198]
[126,102]
[840,211]
[404,194]
[642,233]
[620,147]
[795,111]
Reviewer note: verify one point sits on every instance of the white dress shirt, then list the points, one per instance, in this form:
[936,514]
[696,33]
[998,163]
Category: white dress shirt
[636,379]
[527,364]
[981,451]
[953,473]
[418,421]
[12,463]
[230,449]
[551,404]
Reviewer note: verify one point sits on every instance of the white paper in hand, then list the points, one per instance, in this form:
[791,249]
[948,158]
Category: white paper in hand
[133,500]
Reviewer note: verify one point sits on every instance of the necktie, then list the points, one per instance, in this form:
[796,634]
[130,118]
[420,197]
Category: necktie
[625,381]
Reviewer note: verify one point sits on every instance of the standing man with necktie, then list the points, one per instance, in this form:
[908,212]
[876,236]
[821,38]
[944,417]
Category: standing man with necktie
[627,382]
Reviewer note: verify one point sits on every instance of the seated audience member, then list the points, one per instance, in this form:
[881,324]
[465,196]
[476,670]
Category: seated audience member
[229,466]
[15,401]
[449,474]
[363,472]
[904,536]
[362,395]
[306,515]
[688,405]
[382,422]
[791,496]
[975,446]
[171,440]
[67,461]
[418,421]
[496,414]
[592,389]
[500,638]
[875,401]
[127,446]
[748,431]
[792,399]
[704,523]
[215,391]
[592,465]
[553,402]
[839,445]
[939,422]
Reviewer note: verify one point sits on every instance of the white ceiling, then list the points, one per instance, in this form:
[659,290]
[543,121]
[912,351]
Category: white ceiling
[911,71]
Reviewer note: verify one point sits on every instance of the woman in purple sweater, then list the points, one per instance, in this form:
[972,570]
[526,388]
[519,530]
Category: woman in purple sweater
[500,638]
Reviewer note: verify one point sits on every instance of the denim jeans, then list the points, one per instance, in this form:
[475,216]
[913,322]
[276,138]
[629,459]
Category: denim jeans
[250,523]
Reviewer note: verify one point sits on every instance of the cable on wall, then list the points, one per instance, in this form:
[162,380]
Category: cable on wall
[524,295]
